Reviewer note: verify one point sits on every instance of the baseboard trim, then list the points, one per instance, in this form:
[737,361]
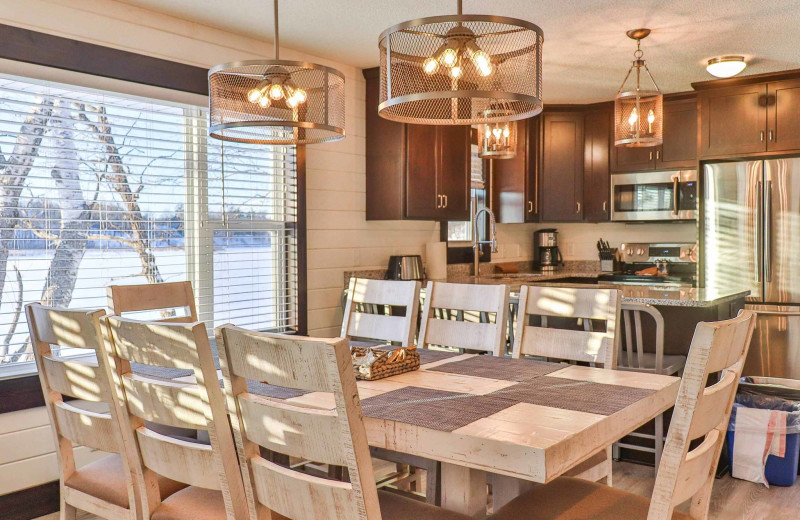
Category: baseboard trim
[30,503]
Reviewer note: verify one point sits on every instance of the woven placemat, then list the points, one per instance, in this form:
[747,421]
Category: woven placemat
[276,392]
[434,409]
[500,368]
[569,394]
[426,355]
[160,372]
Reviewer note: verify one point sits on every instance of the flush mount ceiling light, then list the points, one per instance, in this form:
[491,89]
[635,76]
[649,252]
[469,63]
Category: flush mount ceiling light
[497,140]
[455,69]
[726,66]
[638,112]
[276,101]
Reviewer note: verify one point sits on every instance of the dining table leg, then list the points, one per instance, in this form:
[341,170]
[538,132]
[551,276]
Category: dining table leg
[464,490]
[505,489]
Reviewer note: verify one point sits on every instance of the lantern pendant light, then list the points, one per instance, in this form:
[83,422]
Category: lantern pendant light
[638,111]
[276,101]
[498,139]
[456,69]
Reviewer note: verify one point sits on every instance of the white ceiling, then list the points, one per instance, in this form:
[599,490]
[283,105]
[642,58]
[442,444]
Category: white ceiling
[586,52]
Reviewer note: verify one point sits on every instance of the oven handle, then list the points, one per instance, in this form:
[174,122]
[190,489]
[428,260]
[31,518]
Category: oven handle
[675,204]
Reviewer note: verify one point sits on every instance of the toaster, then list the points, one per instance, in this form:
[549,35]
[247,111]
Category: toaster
[405,267]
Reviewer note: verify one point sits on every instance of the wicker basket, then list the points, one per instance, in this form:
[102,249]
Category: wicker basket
[371,363]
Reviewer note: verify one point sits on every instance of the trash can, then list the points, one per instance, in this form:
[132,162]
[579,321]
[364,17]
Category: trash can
[771,394]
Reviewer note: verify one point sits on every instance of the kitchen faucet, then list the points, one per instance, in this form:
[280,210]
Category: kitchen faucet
[477,243]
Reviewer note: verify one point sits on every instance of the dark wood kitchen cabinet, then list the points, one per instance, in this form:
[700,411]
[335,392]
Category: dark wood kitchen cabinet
[753,118]
[679,149]
[562,167]
[415,172]
[597,174]
[515,188]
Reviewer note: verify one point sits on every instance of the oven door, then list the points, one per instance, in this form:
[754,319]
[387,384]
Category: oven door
[653,196]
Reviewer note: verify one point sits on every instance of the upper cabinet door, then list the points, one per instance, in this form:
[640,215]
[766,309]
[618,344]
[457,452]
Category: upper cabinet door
[783,112]
[514,180]
[625,159]
[423,199]
[680,136]
[733,120]
[597,179]
[454,171]
[562,167]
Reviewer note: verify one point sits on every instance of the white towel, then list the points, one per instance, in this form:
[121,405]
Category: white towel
[752,444]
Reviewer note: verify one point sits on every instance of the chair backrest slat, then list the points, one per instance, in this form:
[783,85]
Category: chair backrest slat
[333,436]
[633,340]
[465,299]
[571,345]
[701,412]
[384,327]
[89,380]
[168,296]
[198,405]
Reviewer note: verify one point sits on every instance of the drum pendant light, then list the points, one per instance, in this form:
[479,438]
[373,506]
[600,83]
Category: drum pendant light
[456,69]
[638,111]
[276,101]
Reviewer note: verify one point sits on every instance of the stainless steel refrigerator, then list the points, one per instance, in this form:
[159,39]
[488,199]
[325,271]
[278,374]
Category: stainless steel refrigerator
[751,238]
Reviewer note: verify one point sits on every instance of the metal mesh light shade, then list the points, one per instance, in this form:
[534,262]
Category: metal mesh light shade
[317,120]
[497,140]
[641,133]
[410,95]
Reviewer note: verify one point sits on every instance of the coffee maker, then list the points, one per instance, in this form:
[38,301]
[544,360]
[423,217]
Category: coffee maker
[546,256]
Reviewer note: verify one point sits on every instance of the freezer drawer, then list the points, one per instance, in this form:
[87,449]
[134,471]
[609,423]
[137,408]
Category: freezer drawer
[775,348]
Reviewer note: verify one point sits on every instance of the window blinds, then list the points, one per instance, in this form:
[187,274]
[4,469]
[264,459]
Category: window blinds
[98,188]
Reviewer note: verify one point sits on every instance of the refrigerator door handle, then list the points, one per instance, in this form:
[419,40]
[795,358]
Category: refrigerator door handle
[768,233]
[757,229]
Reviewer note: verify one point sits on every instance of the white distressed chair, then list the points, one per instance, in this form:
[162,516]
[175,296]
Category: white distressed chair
[483,335]
[686,474]
[632,356]
[373,294]
[210,471]
[168,297]
[333,436]
[365,318]
[571,345]
[104,487]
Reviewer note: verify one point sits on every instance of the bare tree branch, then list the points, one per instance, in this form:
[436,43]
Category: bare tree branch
[17,311]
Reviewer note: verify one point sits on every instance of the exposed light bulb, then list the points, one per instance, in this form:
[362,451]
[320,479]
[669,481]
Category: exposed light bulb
[496,132]
[506,132]
[430,66]
[253,95]
[633,117]
[264,102]
[449,57]
[481,59]
[456,72]
[300,95]
[485,70]
[292,102]
[275,91]
[651,116]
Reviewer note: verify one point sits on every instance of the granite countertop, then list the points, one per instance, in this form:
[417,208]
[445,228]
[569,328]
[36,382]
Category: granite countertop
[663,295]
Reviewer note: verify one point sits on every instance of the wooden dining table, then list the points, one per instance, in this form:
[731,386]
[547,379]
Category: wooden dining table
[508,422]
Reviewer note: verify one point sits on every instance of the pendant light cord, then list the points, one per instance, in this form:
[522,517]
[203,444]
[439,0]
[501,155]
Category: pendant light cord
[277,38]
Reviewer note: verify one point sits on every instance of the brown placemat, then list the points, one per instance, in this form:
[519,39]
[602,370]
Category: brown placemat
[569,394]
[500,368]
[276,392]
[434,409]
[160,372]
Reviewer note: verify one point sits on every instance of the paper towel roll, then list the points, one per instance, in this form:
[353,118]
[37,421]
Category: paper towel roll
[436,260]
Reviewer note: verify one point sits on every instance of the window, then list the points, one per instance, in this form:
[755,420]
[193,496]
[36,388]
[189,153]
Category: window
[99,188]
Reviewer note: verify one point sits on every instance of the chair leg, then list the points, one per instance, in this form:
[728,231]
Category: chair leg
[433,483]
[659,439]
[609,465]
[615,451]
[66,511]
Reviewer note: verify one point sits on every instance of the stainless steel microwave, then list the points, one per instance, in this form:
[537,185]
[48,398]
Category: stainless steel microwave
[653,196]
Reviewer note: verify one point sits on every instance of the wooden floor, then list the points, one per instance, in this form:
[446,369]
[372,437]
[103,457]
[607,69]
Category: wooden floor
[732,499]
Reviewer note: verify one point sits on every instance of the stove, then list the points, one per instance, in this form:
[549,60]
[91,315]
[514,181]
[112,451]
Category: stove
[678,259]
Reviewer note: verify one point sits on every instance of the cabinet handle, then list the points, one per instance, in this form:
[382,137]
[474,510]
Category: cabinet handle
[658,154]
[530,206]
[762,136]
[651,156]
[438,201]
[605,206]
[770,136]
[578,210]
[444,197]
